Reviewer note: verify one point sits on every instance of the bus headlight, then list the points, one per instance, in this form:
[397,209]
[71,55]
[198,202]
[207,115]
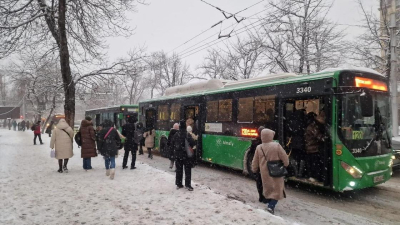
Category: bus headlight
[391,163]
[353,171]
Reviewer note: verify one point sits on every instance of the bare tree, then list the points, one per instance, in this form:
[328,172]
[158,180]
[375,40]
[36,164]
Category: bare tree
[372,48]
[214,65]
[305,39]
[76,29]
[167,71]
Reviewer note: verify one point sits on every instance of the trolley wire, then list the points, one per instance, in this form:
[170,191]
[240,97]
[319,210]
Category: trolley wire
[210,44]
[184,51]
[220,22]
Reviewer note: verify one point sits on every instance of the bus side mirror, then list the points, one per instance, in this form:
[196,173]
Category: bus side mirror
[367,109]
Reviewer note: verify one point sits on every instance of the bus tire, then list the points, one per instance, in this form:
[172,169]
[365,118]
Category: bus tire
[249,160]
[164,147]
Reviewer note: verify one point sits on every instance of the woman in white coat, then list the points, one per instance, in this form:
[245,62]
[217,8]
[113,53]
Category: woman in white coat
[61,141]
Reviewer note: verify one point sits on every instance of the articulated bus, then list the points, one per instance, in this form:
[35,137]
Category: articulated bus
[117,114]
[356,154]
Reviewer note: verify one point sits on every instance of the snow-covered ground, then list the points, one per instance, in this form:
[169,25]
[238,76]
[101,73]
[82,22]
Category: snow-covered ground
[32,192]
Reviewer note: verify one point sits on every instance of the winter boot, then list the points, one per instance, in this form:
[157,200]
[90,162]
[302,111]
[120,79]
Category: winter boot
[112,174]
[171,165]
[65,169]
[107,172]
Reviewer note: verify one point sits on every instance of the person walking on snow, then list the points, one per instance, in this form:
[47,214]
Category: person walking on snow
[61,141]
[181,158]
[130,145]
[14,124]
[149,140]
[170,145]
[23,125]
[273,187]
[88,137]
[107,144]
[27,124]
[36,132]
[139,139]
[50,128]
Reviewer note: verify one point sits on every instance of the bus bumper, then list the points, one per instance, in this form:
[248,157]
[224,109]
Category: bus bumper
[368,180]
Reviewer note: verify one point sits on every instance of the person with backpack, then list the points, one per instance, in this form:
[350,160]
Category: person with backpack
[149,136]
[131,144]
[107,143]
[182,141]
[36,131]
[170,146]
[273,187]
[61,141]
[87,139]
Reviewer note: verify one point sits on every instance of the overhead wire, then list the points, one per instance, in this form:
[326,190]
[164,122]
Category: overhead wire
[220,22]
[217,33]
[210,44]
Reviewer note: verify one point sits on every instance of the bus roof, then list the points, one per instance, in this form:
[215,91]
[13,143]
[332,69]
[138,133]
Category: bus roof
[264,81]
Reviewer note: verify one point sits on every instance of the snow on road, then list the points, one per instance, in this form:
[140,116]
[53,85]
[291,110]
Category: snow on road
[32,192]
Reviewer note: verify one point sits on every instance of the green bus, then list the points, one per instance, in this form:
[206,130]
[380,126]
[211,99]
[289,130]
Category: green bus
[226,114]
[116,114]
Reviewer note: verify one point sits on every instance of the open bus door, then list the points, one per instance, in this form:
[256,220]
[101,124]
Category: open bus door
[193,119]
[150,118]
[295,123]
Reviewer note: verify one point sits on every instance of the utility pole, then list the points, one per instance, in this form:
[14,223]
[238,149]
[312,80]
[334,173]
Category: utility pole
[393,73]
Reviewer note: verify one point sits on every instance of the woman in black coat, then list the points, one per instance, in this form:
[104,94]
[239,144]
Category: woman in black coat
[107,143]
[181,157]
[171,134]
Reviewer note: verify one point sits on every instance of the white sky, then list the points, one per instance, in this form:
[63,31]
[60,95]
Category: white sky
[166,24]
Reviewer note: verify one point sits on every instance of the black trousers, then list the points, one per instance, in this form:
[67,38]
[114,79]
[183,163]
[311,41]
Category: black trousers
[126,155]
[40,139]
[179,163]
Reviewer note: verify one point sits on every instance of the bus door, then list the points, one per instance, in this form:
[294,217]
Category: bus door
[98,120]
[150,118]
[191,115]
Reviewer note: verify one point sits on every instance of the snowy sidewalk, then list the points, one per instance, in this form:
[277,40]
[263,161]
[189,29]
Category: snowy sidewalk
[32,192]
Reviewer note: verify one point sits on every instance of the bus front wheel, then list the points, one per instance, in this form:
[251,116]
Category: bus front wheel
[249,161]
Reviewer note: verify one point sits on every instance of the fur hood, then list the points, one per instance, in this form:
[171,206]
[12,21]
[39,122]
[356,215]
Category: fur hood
[267,135]
[86,123]
[62,124]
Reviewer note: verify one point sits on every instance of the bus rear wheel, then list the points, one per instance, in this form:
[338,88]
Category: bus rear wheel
[164,147]
[249,161]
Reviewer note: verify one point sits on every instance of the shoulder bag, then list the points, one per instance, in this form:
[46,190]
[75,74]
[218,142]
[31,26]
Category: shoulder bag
[275,167]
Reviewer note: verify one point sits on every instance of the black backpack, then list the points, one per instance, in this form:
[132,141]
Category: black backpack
[78,138]
[33,127]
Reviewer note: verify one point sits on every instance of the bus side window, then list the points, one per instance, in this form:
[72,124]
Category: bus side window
[245,110]
[212,111]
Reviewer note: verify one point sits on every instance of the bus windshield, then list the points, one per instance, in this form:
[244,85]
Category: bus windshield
[365,136]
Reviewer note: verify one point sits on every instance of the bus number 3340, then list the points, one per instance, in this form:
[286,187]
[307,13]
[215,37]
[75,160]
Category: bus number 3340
[303,90]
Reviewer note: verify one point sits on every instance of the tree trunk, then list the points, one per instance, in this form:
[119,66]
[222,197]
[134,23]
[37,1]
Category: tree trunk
[68,83]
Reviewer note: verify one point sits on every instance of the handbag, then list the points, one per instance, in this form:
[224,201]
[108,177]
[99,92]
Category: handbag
[52,153]
[275,167]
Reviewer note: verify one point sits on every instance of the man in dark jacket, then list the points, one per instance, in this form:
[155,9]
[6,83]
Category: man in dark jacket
[107,143]
[170,146]
[128,130]
[139,139]
[296,128]
[181,157]
[36,132]
[88,137]
[23,125]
